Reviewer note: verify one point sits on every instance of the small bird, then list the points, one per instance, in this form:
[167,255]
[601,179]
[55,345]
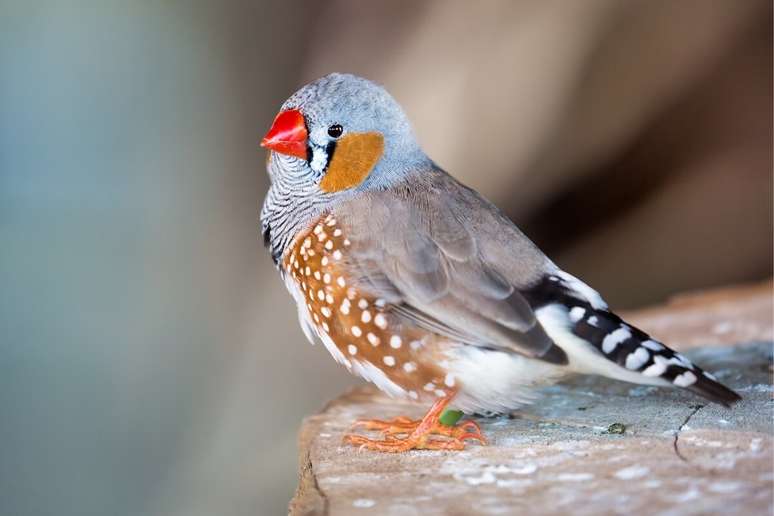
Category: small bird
[420,285]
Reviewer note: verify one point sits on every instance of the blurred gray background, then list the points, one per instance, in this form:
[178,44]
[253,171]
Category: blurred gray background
[151,361]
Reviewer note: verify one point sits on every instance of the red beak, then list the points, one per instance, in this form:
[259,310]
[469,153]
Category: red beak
[288,134]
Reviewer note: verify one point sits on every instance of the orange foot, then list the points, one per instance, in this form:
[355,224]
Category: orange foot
[403,434]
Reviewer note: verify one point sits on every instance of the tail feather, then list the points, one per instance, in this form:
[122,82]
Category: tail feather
[634,350]
[639,358]
[713,390]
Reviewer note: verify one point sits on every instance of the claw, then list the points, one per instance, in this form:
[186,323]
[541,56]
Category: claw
[403,434]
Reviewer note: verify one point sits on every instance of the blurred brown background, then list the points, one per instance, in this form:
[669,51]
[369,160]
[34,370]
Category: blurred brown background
[151,361]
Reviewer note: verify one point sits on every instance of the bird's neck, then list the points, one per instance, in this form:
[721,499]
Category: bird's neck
[295,200]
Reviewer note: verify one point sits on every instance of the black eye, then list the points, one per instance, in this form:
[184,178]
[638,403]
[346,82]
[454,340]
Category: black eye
[335,131]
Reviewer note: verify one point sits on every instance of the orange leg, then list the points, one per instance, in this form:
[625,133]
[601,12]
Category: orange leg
[403,434]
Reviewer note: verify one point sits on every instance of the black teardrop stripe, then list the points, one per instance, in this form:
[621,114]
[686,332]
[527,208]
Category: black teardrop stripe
[593,325]
[330,149]
[267,243]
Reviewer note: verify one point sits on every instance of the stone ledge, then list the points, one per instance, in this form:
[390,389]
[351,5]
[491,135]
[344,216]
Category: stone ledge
[676,455]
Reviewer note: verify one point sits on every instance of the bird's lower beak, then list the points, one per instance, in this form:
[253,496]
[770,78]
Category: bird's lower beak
[288,134]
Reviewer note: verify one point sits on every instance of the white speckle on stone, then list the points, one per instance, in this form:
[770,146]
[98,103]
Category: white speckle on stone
[524,469]
[760,387]
[486,478]
[687,496]
[363,503]
[512,483]
[574,477]
[642,390]
[570,445]
[632,472]
[725,487]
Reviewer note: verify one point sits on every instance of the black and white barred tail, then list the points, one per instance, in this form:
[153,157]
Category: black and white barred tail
[597,341]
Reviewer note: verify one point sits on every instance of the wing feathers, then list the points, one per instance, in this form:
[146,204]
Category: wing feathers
[419,250]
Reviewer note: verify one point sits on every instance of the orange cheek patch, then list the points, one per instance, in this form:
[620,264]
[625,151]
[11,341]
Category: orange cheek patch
[354,158]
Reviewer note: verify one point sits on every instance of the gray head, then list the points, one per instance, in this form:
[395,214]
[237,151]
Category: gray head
[335,137]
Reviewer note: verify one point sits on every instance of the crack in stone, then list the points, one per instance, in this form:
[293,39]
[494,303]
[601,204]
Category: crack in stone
[316,484]
[696,408]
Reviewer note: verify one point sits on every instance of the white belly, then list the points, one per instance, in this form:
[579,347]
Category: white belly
[497,382]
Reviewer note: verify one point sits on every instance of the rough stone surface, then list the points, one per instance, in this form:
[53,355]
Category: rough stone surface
[566,454]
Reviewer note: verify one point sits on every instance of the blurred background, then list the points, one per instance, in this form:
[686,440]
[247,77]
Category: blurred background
[151,360]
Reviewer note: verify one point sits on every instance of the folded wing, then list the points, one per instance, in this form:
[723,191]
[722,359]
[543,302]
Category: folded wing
[425,251]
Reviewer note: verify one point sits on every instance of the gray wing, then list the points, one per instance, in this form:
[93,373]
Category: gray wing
[445,259]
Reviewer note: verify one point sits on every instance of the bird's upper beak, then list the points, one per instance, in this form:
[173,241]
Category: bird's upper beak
[288,134]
